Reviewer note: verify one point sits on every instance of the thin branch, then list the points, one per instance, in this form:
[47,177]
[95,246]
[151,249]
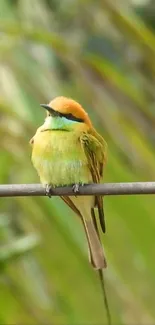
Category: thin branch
[91,189]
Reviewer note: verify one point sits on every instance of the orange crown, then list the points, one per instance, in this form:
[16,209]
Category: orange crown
[67,105]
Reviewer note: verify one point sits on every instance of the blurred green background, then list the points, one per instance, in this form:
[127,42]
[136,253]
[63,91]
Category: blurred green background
[102,55]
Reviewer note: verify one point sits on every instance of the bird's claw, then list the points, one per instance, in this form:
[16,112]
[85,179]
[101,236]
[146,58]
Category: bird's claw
[75,188]
[48,190]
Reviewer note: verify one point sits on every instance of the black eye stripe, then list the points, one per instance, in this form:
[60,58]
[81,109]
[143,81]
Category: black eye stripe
[71,117]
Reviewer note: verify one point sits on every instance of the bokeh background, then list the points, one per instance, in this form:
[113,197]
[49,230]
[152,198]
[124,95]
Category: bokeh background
[102,54]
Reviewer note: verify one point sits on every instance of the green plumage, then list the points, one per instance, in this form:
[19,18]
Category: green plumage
[65,153]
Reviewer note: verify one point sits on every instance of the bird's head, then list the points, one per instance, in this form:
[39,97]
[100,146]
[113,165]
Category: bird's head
[65,114]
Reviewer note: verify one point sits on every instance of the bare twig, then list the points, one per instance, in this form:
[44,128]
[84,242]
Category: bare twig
[91,189]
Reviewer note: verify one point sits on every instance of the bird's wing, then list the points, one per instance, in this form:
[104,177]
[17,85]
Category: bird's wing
[95,149]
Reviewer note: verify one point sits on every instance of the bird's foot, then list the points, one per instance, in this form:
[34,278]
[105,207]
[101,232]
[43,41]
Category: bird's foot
[75,188]
[48,190]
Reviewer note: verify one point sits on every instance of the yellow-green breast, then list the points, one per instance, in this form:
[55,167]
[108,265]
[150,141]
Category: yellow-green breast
[59,158]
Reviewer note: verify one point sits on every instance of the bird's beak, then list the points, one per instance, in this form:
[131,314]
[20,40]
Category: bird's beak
[50,109]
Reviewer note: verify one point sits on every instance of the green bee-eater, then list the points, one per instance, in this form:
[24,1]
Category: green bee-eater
[67,150]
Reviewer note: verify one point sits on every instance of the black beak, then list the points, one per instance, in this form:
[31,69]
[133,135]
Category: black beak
[50,110]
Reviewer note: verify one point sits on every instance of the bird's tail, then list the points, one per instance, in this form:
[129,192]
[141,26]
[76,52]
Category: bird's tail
[96,253]
[82,206]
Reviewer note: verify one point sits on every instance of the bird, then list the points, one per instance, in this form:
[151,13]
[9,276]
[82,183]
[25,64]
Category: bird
[67,150]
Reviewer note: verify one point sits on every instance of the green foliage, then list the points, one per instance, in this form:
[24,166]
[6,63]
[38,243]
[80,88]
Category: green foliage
[102,56]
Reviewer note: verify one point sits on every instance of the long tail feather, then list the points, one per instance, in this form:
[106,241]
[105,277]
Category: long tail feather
[96,253]
[101,275]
